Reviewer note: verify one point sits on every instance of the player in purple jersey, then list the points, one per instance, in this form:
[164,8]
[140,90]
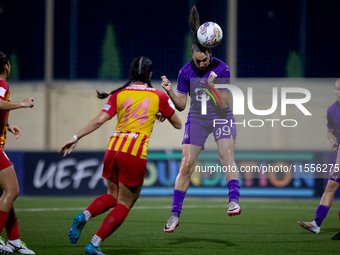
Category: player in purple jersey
[335,177]
[333,134]
[198,78]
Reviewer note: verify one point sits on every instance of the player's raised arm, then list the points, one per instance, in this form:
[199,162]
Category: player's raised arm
[180,100]
[7,106]
[222,98]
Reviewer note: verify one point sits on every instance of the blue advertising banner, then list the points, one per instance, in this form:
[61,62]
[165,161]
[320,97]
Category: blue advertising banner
[17,159]
[51,174]
[163,168]
[47,173]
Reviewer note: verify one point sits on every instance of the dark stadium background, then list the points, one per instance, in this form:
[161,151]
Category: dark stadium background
[267,32]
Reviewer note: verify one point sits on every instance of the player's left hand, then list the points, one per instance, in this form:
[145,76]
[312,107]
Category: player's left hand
[14,130]
[334,147]
[212,78]
[159,117]
[334,173]
[166,84]
[68,147]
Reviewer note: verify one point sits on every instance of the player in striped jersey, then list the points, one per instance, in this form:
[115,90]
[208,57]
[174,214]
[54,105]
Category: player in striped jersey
[9,187]
[136,105]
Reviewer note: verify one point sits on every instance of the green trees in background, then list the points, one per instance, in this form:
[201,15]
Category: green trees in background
[13,59]
[294,65]
[188,41]
[110,67]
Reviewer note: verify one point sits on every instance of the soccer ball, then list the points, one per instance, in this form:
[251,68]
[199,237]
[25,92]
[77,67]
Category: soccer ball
[209,34]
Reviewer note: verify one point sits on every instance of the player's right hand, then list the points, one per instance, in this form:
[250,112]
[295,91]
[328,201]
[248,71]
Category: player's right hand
[159,117]
[166,84]
[212,78]
[334,173]
[334,147]
[68,147]
[28,102]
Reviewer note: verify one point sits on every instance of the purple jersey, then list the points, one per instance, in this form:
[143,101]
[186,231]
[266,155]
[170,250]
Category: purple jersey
[192,80]
[333,119]
[333,122]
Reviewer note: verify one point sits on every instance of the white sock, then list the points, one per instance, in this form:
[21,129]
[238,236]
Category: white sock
[96,240]
[17,241]
[87,215]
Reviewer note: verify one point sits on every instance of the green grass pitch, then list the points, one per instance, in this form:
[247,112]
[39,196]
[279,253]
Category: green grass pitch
[266,226]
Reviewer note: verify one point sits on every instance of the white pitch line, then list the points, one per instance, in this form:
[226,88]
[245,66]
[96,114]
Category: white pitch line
[48,209]
[169,207]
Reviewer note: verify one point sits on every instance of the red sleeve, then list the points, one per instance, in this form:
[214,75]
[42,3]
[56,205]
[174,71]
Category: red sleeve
[111,106]
[166,106]
[3,90]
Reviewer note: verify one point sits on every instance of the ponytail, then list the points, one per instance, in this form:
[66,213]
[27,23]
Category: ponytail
[103,95]
[140,70]
[194,23]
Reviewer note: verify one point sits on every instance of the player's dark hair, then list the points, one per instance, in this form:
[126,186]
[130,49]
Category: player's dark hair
[194,22]
[140,70]
[196,46]
[3,61]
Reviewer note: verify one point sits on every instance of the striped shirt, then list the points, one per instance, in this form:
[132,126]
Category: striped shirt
[136,107]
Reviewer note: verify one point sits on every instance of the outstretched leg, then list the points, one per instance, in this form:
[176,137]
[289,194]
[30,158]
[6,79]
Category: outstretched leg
[127,196]
[226,154]
[9,191]
[189,157]
[322,210]
[100,205]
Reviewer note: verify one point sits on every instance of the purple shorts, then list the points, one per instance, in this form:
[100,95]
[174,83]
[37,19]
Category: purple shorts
[197,131]
[333,163]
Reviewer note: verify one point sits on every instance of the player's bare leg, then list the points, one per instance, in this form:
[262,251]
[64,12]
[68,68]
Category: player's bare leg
[328,195]
[226,153]
[10,191]
[10,188]
[189,156]
[322,210]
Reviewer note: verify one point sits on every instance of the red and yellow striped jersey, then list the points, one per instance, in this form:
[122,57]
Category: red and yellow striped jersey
[4,95]
[136,107]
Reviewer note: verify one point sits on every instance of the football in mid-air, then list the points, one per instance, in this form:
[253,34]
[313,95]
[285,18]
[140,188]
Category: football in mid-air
[209,34]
